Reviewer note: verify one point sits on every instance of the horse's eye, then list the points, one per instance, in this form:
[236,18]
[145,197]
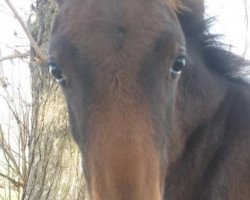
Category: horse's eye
[55,71]
[178,66]
[57,74]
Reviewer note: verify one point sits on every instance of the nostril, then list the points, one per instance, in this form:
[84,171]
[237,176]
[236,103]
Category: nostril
[55,71]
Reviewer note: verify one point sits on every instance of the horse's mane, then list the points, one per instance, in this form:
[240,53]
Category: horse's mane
[216,55]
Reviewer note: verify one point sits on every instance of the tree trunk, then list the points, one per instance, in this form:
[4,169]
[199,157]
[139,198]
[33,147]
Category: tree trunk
[55,171]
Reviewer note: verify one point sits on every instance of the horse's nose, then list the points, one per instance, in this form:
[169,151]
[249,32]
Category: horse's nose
[120,138]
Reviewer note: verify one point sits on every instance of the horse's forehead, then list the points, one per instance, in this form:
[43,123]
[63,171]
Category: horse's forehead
[119,17]
[113,9]
[176,4]
[111,32]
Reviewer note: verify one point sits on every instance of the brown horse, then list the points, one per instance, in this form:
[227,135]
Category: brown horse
[154,102]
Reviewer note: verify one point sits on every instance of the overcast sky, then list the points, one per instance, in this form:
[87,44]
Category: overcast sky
[232,22]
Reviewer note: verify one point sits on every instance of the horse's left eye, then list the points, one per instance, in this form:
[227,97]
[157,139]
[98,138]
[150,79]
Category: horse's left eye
[178,65]
[55,71]
[57,74]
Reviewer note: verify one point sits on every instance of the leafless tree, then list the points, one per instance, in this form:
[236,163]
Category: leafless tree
[14,133]
[53,166]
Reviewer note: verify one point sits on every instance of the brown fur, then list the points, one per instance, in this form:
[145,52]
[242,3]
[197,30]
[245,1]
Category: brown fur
[142,133]
[118,168]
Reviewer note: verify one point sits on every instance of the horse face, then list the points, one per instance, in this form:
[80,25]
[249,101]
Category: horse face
[119,63]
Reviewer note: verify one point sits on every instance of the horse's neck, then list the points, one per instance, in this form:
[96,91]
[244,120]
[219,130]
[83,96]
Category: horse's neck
[201,153]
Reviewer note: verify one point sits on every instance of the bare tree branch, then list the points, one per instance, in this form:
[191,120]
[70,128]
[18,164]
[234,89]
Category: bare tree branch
[34,45]
[13,181]
[14,56]
[8,153]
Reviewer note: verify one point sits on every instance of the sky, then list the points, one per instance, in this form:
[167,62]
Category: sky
[12,37]
[231,20]
[15,73]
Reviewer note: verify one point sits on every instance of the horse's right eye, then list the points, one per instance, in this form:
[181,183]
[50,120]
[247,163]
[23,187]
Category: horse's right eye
[178,66]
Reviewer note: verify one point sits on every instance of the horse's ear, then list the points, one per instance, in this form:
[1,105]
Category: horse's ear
[196,7]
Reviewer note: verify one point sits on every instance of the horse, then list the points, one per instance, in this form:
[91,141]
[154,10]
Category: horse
[156,103]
